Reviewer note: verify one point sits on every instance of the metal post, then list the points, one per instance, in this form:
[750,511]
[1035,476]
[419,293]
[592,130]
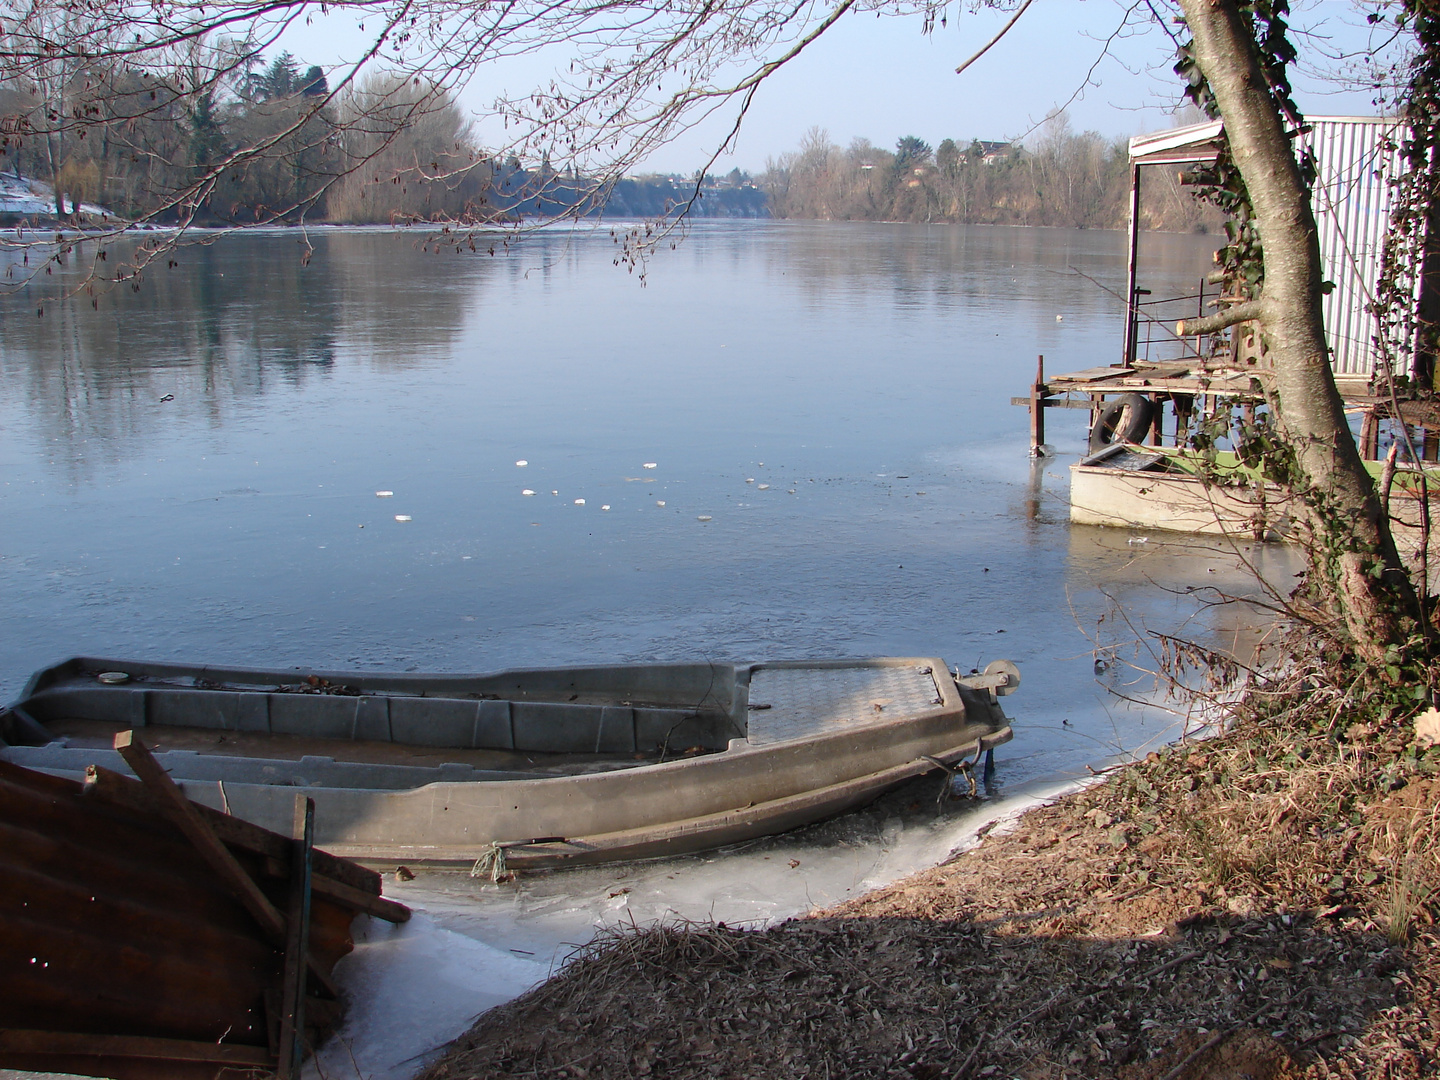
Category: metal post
[1132,307]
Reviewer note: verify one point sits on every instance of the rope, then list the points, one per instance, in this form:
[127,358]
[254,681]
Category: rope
[491,862]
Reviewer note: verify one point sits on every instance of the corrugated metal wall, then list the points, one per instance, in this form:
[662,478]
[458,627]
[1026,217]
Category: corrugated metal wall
[1352,211]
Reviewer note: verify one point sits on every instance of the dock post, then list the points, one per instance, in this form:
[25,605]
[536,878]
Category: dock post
[1132,297]
[1037,409]
[1370,435]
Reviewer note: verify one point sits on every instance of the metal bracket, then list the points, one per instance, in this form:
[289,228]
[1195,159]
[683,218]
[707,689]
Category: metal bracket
[1000,676]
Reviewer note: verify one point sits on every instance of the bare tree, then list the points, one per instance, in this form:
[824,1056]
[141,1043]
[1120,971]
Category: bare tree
[638,75]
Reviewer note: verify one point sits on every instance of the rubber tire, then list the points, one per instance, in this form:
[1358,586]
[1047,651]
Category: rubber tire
[1107,430]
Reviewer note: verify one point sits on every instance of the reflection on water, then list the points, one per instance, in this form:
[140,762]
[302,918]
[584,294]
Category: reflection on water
[190,473]
[235,320]
[838,470]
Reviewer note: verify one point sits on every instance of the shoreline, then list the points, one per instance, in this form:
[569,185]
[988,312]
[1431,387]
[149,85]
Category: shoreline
[1252,905]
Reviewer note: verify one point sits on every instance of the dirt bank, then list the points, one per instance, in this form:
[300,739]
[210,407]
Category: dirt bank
[1259,906]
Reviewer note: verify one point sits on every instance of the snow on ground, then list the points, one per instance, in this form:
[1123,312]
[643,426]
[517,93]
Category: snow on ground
[33,198]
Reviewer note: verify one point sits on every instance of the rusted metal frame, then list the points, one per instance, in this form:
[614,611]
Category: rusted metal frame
[184,814]
[1132,307]
[297,943]
[237,833]
[142,1047]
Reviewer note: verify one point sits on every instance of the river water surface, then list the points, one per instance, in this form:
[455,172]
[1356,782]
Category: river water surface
[793,440]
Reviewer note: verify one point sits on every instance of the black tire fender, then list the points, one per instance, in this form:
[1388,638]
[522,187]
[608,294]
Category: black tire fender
[1137,412]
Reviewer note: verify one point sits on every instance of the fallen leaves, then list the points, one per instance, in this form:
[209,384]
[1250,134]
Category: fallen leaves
[1203,914]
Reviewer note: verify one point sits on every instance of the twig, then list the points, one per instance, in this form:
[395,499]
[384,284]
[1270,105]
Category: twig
[964,1069]
[1172,962]
[1215,1040]
[996,39]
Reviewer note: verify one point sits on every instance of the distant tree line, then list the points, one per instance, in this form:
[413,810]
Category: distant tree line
[275,142]
[734,195]
[278,146]
[1077,180]
[271,142]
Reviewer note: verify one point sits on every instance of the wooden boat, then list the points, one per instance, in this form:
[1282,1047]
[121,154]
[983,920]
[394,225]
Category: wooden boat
[540,768]
[1144,487]
[1151,487]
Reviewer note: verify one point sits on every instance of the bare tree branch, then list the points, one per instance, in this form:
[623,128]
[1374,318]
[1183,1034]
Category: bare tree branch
[996,39]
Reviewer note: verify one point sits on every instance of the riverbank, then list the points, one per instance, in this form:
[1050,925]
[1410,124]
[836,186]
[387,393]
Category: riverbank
[1261,905]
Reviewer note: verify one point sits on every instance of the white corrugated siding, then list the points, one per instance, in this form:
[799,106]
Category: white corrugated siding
[1352,210]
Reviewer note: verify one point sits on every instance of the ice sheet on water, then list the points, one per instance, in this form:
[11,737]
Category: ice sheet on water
[411,989]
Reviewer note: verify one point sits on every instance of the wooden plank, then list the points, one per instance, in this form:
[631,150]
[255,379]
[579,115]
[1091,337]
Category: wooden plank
[1053,403]
[1038,392]
[347,896]
[22,1041]
[186,816]
[182,812]
[236,832]
[297,944]
[1095,374]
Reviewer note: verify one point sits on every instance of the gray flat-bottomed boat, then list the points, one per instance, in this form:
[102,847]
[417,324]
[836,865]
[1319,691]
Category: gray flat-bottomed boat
[552,766]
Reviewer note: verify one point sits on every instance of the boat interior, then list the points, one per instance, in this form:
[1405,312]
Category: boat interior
[560,720]
[403,731]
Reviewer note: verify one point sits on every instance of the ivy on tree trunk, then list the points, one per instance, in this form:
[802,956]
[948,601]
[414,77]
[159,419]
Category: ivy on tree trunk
[1235,65]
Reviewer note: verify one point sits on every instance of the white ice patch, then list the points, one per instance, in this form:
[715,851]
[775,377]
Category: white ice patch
[411,989]
[472,946]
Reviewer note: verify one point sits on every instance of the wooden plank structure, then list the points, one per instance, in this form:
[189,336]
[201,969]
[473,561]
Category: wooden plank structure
[1199,378]
[145,936]
[1195,390]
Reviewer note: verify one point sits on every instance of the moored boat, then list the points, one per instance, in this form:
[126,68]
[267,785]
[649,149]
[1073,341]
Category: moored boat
[1144,487]
[549,766]
[1180,490]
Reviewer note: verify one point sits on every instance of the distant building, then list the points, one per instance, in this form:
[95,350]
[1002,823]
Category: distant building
[991,152]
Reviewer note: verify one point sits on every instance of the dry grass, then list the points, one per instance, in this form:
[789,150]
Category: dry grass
[1262,905]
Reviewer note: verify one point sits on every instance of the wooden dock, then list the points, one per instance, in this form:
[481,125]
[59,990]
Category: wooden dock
[1195,388]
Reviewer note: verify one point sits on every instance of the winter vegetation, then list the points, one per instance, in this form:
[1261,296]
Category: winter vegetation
[1064,178]
[387,149]
[150,109]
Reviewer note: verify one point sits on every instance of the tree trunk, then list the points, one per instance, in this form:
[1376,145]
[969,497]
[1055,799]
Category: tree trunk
[52,156]
[1354,568]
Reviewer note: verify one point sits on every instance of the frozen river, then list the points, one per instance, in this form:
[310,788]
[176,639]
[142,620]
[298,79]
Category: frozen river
[794,440]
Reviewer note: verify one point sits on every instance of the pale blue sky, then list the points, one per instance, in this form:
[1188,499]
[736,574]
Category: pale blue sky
[882,78]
